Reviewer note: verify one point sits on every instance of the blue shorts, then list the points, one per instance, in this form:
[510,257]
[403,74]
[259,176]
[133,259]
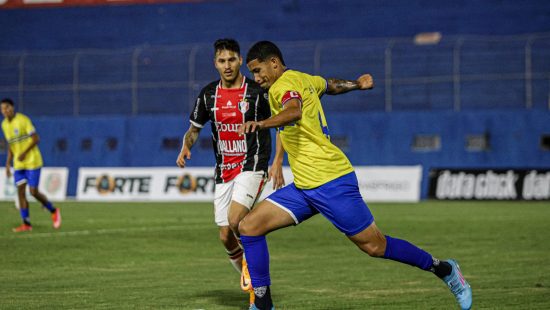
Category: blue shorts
[31,177]
[338,200]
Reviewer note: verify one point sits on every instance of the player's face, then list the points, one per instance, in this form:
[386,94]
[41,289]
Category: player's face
[7,110]
[228,64]
[263,71]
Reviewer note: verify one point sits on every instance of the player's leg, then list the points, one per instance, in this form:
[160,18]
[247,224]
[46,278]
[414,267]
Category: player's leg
[340,201]
[283,208]
[263,218]
[20,180]
[33,177]
[372,241]
[232,247]
[247,187]
[222,201]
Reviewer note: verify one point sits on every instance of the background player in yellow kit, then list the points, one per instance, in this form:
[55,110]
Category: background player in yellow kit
[27,162]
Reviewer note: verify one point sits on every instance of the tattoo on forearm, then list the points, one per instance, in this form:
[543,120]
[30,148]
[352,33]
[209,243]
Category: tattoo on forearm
[338,86]
[190,138]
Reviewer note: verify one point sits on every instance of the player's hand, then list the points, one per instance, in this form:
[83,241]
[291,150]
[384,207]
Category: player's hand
[8,172]
[365,81]
[184,154]
[276,174]
[249,127]
[22,156]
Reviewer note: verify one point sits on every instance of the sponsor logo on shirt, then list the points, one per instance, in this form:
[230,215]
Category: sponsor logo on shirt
[243,106]
[232,147]
[221,127]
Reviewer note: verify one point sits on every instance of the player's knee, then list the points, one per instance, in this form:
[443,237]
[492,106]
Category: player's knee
[247,228]
[242,228]
[234,227]
[33,191]
[234,223]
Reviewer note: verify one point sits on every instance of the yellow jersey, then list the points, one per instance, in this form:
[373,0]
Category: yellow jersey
[313,159]
[18,132]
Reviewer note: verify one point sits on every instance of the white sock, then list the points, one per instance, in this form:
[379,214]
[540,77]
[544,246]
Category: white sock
[236,258]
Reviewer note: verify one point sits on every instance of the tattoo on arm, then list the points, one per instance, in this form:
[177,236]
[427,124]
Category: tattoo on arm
[339,86]
[190,138]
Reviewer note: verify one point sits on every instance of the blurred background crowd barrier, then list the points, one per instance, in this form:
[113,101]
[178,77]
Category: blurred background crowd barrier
[457,73]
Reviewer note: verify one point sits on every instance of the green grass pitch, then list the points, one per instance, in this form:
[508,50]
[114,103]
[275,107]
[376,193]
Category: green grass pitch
[168,256]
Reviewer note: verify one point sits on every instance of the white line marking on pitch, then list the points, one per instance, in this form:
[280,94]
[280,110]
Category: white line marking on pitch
[90,232]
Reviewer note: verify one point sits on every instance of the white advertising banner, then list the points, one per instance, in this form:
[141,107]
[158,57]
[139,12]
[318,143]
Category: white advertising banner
[398,184]
[53,184]
[390,183]
[145,184]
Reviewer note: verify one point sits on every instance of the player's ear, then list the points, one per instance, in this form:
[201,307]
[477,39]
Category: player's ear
[274,63]
[240,60]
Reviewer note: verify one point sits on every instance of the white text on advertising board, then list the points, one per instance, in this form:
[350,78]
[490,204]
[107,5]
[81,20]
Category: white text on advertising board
[489,185]
[536,186]
[106,184]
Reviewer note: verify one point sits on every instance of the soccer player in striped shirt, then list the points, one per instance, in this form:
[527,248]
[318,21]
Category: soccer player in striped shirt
[324,179]
[241,162]
[27,162]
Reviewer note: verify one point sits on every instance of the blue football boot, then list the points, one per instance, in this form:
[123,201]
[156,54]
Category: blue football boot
[458,286]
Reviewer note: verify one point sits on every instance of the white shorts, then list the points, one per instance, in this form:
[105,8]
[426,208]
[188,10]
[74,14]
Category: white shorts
[245,188]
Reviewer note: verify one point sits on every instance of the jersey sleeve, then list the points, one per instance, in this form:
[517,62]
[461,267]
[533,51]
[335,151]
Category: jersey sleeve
[199,116]
[284,92]
[320,85]
[29,127]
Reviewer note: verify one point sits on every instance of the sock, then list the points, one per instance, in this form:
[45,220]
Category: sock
[49,206]
[236,258]
[25,216]
[441,269]
[262,298]
[405,252]
[257,258]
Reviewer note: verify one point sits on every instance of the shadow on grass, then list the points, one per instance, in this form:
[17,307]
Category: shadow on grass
[228,298]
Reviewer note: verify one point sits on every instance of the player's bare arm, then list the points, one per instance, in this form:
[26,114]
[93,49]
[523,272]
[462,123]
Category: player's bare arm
[189,140]
[339,86]
[276,170]
[292,112]
[9,158]
[35,139]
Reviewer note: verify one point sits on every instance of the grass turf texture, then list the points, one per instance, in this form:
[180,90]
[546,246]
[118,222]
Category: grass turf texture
[168,256]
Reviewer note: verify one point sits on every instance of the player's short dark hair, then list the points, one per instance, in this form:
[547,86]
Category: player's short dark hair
[8,101]
[227,44]
[263,50]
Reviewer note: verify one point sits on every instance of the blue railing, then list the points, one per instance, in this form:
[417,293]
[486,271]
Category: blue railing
[452,73]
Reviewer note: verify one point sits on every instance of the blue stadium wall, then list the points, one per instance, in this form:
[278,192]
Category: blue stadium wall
[374,138]
[368,137]
[251,20]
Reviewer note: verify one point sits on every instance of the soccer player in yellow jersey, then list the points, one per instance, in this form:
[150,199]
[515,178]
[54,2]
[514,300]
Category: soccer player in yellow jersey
[324,180]
[27,162]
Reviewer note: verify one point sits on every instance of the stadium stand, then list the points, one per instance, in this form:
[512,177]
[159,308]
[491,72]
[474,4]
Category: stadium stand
[104,94]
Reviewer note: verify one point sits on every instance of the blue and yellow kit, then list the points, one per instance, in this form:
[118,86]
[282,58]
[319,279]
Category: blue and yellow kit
[18,132]
[313,159]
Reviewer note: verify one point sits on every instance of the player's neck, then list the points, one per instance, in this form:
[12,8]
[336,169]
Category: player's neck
[236,83]
[281,71]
